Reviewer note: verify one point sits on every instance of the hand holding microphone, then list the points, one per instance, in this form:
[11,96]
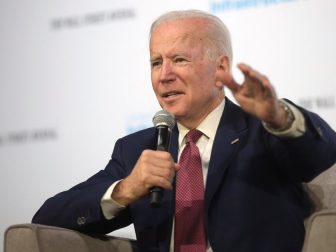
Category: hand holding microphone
[164,122]
[154,170]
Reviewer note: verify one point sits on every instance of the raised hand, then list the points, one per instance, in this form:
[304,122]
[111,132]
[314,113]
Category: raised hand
[255,95]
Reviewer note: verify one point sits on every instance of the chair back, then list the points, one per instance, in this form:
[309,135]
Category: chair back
[321,225]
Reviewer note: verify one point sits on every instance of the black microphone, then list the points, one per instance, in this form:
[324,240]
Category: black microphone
[163,122]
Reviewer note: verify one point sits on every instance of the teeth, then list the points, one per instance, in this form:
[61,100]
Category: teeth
[170,94]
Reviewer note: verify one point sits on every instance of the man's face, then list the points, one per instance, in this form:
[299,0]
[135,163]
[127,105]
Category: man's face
[183,77]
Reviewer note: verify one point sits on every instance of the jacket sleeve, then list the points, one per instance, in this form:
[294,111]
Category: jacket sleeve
[305,157]
[79,207]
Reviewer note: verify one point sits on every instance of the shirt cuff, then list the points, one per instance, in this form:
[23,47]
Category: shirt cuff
[298,127]
[110,207]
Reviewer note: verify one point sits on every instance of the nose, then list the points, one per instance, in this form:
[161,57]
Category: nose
[166,72]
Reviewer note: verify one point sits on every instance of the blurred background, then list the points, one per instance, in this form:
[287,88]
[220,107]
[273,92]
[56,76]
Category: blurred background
[75,77]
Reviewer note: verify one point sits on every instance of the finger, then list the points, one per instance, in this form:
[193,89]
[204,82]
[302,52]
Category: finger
[253,75]
[232,85]
[177,167]
[244,67]
[159,181]
[156,158]
[157,154]
[167,172]
[157,164]
[226,79]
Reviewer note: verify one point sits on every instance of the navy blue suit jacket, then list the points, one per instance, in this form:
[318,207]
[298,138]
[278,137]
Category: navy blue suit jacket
[254,199]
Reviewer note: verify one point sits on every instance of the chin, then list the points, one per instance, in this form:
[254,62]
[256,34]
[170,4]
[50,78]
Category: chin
[170,109]
[176,114]
[174,110]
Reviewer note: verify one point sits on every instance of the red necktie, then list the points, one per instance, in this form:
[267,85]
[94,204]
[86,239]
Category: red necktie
[189,207]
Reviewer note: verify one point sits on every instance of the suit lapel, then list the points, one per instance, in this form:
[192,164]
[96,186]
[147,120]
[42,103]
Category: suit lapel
[227,141]
[174,143]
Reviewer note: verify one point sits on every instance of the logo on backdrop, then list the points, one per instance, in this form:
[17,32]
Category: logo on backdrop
[92,18]
[27,136]
[226,5]
[318,103]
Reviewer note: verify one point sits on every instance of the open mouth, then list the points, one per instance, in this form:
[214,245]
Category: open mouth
[171,94]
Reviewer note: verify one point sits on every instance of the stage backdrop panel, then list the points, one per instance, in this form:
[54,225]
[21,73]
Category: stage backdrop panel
[75,76]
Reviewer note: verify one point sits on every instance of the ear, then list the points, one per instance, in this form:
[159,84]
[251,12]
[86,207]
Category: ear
[222,63]
[222,69]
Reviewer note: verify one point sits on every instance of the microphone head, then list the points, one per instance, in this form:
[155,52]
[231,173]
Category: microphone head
[163,117]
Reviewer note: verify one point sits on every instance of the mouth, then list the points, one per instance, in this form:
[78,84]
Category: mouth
[171,94]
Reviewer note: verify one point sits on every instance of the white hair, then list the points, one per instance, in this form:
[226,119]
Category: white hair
[217,32]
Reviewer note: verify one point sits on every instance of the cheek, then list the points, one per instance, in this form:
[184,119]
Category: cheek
[155,90]
[154,83]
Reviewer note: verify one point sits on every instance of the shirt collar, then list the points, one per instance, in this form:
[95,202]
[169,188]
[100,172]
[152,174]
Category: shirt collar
[208,126]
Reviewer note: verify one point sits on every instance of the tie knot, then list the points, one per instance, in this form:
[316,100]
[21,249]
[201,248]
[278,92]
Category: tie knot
[193,136]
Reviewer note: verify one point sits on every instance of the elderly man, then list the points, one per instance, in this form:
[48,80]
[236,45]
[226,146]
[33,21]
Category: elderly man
[232,176]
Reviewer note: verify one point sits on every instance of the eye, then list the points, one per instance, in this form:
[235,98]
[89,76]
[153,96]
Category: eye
[156,63]
[179,59]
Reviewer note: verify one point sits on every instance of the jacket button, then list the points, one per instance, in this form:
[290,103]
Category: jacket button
[81,220]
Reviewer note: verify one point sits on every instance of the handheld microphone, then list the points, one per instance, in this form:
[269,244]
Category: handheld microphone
[163,122]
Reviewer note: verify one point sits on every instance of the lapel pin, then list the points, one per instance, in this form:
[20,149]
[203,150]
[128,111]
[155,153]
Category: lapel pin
[235,141]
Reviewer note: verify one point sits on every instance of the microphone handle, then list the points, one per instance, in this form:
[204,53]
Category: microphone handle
[156,195]
[162,137]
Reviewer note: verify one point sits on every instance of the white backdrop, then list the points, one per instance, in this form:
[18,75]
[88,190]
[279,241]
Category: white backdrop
[74,77]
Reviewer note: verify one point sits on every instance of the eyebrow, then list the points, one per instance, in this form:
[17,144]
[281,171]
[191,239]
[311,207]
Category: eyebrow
[155,58]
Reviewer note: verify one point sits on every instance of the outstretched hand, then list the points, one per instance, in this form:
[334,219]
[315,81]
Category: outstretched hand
[255,95]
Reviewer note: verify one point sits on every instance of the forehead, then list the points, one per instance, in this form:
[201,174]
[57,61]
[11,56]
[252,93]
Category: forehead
[187,30]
